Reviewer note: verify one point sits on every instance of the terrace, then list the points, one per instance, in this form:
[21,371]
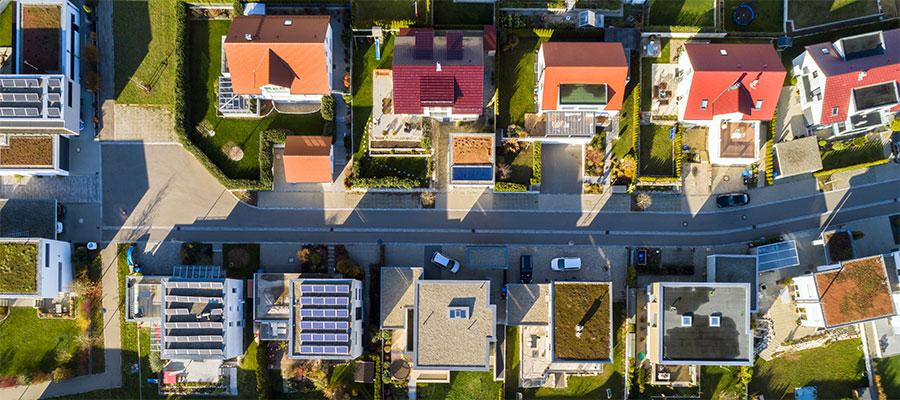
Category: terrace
[666,77]
[582,322]
[40,43]
[738,139]
[564,124]
[391,132]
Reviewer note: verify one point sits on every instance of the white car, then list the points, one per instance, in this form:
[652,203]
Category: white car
[565,264]
[443,261]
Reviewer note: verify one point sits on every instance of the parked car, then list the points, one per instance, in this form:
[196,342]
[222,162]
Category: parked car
[445,262]
[895,146]
[525,268]
[732,200]
[565,264]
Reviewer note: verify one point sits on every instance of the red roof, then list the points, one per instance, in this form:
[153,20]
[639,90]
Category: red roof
[579,62]
[732,78]
[307,159]
[490,38]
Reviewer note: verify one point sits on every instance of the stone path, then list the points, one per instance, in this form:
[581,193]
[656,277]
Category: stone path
[139,123]
[68,189]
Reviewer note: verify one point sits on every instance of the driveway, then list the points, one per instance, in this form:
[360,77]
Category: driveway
[561,169]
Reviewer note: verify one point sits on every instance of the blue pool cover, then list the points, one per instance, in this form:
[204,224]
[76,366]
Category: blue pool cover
[473,173]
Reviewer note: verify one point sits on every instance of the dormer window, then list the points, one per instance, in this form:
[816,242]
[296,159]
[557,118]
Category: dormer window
[703,104]
[687,320]
[834,111]
[715,321]
[459,312]
[758,104]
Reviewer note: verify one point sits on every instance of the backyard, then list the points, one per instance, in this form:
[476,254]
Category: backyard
[463,385]
[448,13]
[843,153]
[516,70]
[144,50]
[33,347]
[839,369]
[807,13]
[364,63]
[656,149]
[889,371]
[769,16]
[695,13]
[515,163]
[647,72]
[369,13]
[230,133]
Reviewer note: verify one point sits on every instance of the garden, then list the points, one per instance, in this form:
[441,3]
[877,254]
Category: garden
[450,14]
[681,13]
[389,13]
[516,69]
[840,369]
[463,385]
[769,16]
[849,152]
[888,375]
[144,48]
[807,13]
[516,165]
[657,150]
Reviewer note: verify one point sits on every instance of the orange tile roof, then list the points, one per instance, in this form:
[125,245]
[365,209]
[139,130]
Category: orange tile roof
[288,54]
[578,62]
[307,159]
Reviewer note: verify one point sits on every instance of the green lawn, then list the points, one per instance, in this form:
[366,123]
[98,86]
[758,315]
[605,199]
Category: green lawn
[769,16]
[647,73]
[521,164]
[31,345]
[204,61]
[516,68]
[240,260]
[656,151]
[247,372]
[18,273]
[6,24]
[681,13]
[839,368]
[448,13]
[720,382]
[623,145]
[889,370]
[464,385]
[144,50]
[806,13]
[382,12]
[873,150]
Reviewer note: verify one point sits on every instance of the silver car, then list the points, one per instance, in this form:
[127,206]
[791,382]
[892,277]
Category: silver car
[445,262]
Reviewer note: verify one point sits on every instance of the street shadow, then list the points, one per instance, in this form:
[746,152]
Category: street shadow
[129,57]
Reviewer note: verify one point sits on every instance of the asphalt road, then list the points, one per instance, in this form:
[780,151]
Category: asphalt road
[248,224]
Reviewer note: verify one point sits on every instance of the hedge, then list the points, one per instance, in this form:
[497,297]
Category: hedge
[378,368]
[655,180]
[327,110]
[850,168]
[268,139]
[636,125]
[536,164]
[677,145]
[385,182]
[509,187]
[770,150]
[262,372]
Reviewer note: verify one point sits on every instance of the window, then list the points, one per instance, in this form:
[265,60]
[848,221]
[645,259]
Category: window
[759,104]
[715,321]
[230,323]
[239,323]
[815,74]
[69,94]
[687,320]
[233,290]
[834,111]
[703,104]
[459,313]
[47,255]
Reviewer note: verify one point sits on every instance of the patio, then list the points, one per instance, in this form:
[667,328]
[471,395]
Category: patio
[665,79]
[391,131]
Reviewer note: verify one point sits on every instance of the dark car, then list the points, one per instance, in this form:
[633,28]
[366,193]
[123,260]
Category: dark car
[525,268]
[732,200]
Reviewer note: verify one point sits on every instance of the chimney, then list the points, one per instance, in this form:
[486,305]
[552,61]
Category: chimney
[288,22]
[438,67]
[578,329]
[248,37]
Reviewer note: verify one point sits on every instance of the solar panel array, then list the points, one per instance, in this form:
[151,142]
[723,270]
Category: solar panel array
[20,97]
[324,349]
[19,111]
[20,83]
[324,301]
[776,256]
[324,337]
[324,326]
[343,289]
[424,49]
[330,313]
[454,45]
[472,173]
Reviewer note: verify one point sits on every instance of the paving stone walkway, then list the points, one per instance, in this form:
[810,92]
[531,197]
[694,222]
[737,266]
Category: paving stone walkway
[139,123]
[68,189]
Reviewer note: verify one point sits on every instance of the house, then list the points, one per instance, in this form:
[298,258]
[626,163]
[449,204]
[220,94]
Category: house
[284,59]
[797,157]
[847,292]
[730,89]
[565,328]
[439,74]
[308,159]
[849,86]
[699,323]
[326,319]
[35,269]
[439,326]
[40,102]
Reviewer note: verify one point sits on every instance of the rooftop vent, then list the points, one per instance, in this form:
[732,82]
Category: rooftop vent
[459,312]
[248,37]
[687,320]
[437,67]
[288,22]
[826,51]
[862,75]
[715,321]
[723,52]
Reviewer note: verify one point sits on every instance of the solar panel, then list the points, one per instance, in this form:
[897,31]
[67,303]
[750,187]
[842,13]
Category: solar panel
[325,301]
[307,313]
[472,173]
[424,49]
[324,337]
[777,255]
[310,288]
[324,326]
[324,349]
[454,46]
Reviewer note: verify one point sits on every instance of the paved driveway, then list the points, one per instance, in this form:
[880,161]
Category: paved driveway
[561,169]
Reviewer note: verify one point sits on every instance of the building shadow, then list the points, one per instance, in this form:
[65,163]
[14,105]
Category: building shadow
[139,34]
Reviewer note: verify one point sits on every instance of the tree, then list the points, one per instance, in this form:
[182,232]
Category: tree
[503,171]
[746,375]
[327,108]
[262,372]
[349,269]
[156,363]
[642,201]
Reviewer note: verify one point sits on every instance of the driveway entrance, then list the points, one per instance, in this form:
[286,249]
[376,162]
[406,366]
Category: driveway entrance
[561,168]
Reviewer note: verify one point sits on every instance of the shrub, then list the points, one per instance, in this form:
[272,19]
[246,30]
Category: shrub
[504,170]
[895,124]
[509,187]
[156,363]
[327,109]
[746,375]
[378,377]
[677,145]
[641,379]
[536,164]
[770,149]
[195,253]
[262,375]
[631,276]
[860,141]
[349,269]
[642,201]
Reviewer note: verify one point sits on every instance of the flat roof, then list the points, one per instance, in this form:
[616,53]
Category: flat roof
[798,156]
[527,304]
[442,342]
[272,295]
[323,318]
[28,218]
[697,339]
[588,304]
[736,269]
[856,290]
[397,294]
[19,267]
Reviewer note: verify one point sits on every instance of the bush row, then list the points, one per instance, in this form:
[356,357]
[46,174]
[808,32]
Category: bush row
[657,180]
[268,139]
[636,125]
[262,372]
[679,134]
[509,187]
[536,166]
[770,149]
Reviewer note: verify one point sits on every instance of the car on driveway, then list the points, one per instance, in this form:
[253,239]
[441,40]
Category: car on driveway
[525,268]
[445,262]
[732,200]
[565,264]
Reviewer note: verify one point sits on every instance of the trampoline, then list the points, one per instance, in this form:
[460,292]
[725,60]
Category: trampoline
[743,15]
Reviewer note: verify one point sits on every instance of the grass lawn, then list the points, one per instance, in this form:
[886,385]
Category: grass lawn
[769,16]
[463,385]
[364,63]
[656,151]
[6,24]
[342,374]
[623,145]
[247,372]
[32,345]
[447,13]
[681,12]
[240,260]
[521,164]
[144,49]
[852,155]
[586,305]
[368,13]
[18,268]
[721,382]
[401,167]
[647,73]
[517,78]
[839,368]
[806,13]
[889,370]
[205,68]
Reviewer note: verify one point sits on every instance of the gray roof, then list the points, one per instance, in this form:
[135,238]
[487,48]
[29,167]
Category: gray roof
[735,269]
[798,156]
[28,218]
[832,63]
[193,323]
[528,304]
[454,344]
[397,293]
[699,342]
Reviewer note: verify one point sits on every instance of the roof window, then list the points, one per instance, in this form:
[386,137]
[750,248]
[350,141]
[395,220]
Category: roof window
[459,312]
[715,321]
[687,320]
[723,52]
[704,103]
